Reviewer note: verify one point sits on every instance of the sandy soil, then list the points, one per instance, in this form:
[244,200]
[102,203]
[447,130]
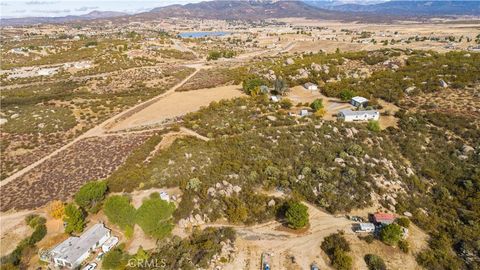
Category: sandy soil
[12,230]
[299,94]
[175,105]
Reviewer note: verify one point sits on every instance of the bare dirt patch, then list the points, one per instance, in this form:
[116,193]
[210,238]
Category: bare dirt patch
[175,105]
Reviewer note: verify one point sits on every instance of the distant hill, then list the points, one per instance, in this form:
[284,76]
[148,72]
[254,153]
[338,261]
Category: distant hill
[71,18]
[405,8]
[243,10]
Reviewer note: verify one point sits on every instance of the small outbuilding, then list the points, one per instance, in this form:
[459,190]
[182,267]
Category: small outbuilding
[304,113]
[359,101]
[274,99]
[351,116]
[109,244]
[311,86]
[365,227]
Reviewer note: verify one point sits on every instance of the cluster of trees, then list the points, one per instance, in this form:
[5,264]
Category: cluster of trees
[195,251]
[375,262]
[154,216]
[19,257]
[336,247]
[296,215]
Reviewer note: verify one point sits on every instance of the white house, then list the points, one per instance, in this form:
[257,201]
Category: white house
[311,86]
[350,116]
[73,251]
[365,227]
[274,98]
[164,196]
[359,101]
[109,244]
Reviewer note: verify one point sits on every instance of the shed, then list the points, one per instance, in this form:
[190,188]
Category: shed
[359,101]
[311,86]
[109,244]
[303,112]
[351,116]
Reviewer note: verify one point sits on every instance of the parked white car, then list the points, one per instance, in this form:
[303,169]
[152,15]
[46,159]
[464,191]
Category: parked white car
[90,266]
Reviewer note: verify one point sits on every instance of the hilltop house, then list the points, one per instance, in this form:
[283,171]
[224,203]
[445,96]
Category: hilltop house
[73,251]
[311,86]
[359,101]
[351,116]
[383,218]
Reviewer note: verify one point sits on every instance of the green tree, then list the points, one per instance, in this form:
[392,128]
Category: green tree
[374,262]
[74,218]
[391,234]
[119,211]
[115,259]
[155,217]
[297,215]
[317,104]
[91,194]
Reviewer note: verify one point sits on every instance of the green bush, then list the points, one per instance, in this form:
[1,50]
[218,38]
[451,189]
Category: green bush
[286,103]
[296,215]
[155,217]
[373,126]
[341,260]
[317,104]
[115,259]
[119,211]
[403,221]
[375,262]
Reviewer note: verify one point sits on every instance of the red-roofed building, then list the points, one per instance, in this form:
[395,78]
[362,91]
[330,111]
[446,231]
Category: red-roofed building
[383,218]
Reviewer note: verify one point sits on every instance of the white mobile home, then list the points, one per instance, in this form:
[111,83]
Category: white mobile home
[351,116]
[73,251]
[109,244]
[365,227]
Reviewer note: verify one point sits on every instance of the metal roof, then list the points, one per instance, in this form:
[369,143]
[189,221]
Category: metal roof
[355,113]
[74,248]
[359,99]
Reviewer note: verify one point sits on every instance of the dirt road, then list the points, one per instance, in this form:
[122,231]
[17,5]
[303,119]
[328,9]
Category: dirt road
[97,130]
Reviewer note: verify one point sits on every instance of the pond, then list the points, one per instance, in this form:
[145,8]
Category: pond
[202,34]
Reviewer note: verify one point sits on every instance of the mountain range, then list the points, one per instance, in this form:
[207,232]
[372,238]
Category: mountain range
[266,9]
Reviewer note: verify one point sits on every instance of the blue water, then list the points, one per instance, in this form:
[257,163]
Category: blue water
[202,34]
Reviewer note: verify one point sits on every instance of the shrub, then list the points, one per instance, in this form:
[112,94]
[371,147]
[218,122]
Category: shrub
[333,242]
[251,85]
[297,215]
[286,103]
[404,246]
[90,194]
[341,260]
[346,95]
[119,211]
[373,126]
[155,217]
[74,218]
[403,221]
[374,262]
[56,209]
[236,212]
[391,234]
[115,259]
[317,104]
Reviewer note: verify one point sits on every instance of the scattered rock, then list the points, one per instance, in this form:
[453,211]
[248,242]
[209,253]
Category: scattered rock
[407,214]
[271,203]
[3,121]
[289,61]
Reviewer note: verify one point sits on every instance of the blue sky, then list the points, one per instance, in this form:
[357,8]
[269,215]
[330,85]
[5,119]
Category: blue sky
[56,8]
